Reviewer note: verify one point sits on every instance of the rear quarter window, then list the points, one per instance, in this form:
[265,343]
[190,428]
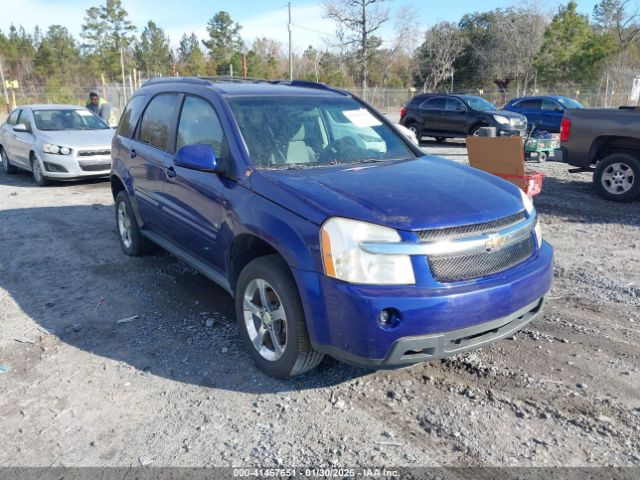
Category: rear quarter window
[130,116]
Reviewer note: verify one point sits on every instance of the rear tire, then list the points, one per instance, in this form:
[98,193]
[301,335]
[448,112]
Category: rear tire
[617,177]
[6,164]
[36,170]
[272,323]
[413,126]
[132,242]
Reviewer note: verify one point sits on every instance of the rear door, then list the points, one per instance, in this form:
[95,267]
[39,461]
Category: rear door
[532,109]
[194,199]
[431,111]
[9,136]
[151,155]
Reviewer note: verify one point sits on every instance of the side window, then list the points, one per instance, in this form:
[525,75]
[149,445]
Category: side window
[130,116]
[433,104]
[13,118]
[25,119]
[454,105]
[157,120]
[531,104]
[199,124]
[550,105]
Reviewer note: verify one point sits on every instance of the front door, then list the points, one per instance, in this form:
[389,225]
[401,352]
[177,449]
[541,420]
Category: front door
[454,118]
[194,199]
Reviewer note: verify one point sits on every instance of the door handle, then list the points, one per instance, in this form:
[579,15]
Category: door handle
[133,153]
[171,172]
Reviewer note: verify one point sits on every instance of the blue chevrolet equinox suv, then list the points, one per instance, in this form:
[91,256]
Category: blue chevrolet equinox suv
[333,232]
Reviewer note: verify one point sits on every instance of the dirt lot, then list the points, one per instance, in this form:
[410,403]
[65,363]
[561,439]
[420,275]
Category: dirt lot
[174,386]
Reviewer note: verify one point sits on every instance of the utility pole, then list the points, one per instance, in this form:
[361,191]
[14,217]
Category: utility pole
[124,82]
[4,86]
[290,45]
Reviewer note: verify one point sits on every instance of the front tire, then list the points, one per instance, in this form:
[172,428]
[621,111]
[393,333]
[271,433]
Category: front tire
[271,319]
[617,177]
[6,164]
[132,242]
[36,170]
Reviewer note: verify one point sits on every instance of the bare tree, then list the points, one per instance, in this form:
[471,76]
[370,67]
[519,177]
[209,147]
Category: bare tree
[357,22]
[444,42]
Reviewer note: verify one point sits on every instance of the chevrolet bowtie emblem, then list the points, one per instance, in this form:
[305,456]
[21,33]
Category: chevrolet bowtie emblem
[495,242]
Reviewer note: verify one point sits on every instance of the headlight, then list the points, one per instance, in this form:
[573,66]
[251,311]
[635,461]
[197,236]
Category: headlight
[343,258]
[55,149]
[528,206]
[48,148]
[501,120]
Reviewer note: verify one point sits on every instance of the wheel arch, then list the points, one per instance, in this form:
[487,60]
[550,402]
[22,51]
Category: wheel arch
[605,145]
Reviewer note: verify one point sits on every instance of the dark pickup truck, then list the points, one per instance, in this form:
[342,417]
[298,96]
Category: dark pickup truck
[607,143]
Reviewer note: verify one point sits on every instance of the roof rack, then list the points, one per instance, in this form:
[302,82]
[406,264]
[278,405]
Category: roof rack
[309,84]
[156,81]
[210,80]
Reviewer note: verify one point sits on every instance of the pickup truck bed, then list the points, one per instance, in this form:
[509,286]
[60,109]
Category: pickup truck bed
[606,142]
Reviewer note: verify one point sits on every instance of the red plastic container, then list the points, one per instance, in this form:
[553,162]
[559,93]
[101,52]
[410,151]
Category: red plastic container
[530,182]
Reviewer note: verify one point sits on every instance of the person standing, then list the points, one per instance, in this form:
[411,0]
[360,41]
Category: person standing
[100,107]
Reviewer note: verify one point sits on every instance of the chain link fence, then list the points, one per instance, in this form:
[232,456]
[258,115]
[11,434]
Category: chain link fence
[608,93]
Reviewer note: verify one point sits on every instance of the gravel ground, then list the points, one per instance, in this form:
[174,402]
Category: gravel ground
[174,387]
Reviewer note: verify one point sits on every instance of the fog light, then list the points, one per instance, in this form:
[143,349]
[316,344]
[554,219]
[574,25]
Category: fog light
[389,318]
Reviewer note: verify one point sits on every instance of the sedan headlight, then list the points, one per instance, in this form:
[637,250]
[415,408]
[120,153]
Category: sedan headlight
[528,206]
[501,120]
[344,259]
[55,149]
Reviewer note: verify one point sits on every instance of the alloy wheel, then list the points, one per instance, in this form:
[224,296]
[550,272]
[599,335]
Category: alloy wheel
[265,319]
[618,178]
[124,225]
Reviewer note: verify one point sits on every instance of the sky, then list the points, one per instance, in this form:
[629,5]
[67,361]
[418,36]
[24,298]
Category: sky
[259,18]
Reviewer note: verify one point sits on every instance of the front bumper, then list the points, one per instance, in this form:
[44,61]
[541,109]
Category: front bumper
[70,166]
[435,321]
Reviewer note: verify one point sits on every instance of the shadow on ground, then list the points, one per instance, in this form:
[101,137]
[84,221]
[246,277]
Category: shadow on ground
[77,284]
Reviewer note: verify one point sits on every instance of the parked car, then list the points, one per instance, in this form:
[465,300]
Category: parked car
[545,113]
[56,142]
[607,143]
[334,232]
[449,116]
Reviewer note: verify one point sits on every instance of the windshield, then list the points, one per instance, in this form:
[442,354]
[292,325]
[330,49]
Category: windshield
[567,102]
[68,119]
[478,103]
[289,131]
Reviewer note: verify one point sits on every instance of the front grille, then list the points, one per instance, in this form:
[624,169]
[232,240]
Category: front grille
[96,168]
[455,268]
[94,153]
[470,230]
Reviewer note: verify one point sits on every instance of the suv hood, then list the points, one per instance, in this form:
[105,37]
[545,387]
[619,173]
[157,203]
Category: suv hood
[507,113]
[429,192]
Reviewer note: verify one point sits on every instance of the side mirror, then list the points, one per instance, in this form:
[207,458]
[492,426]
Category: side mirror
[198,157]
[20,127]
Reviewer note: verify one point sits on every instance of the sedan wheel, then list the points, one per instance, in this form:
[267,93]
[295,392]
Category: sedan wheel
[6,164]
[38,176]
